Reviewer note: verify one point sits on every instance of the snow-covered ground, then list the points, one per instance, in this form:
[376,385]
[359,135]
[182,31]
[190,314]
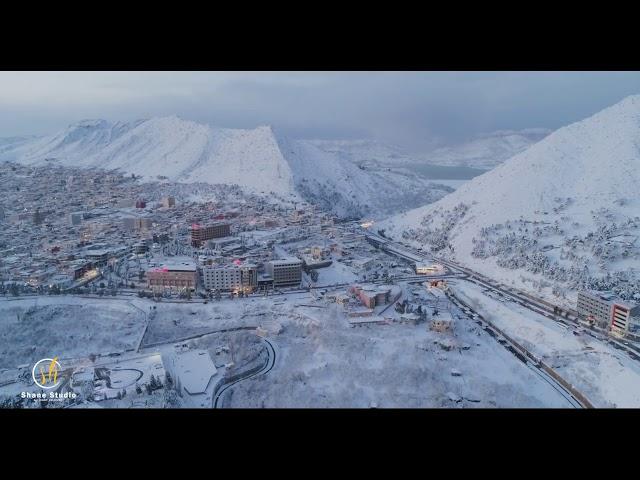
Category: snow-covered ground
[321,362]
[66,326]
[607,376]
[336,273]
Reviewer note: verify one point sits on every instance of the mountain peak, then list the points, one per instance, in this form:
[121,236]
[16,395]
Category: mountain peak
[90,123]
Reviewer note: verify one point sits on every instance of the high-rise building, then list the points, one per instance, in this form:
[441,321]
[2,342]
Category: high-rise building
[199,233]
[607,311]
[287,272]
[230,277]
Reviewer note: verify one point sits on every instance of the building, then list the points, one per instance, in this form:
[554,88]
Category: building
[429,269]
[221,243]
[249,276]
[141,203]
[137,223]
[192,371]
[75,218]
[200,234]
[180,274]
[442,322]
[38,217]
[79,268]
[371,297]
[222,277]
[140,248]
[362,264]
[606,311]
[168,202]
[364,321]
[98,257]
[287,272]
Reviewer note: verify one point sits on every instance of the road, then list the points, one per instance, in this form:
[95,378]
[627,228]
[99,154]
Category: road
[564,316]
[574,398]
[271,361]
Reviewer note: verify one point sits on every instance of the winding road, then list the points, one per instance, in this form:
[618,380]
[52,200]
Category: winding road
[271,361]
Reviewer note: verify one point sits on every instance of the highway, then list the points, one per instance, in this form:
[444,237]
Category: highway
[574,398]
[564,316]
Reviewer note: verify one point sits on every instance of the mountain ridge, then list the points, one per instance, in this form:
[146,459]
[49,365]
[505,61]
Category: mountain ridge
[566,205]
[260,160]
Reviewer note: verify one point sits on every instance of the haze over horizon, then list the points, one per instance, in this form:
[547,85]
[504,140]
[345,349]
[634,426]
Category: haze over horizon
[414,110]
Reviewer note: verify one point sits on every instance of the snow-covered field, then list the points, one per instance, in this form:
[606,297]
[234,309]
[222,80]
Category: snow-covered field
[321,362]
[607,376]
[67,327]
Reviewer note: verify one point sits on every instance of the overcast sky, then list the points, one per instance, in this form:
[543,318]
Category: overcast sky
[411,109]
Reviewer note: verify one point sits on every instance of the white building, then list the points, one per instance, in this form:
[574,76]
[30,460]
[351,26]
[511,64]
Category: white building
[423,268]
[230,277]
[607,311]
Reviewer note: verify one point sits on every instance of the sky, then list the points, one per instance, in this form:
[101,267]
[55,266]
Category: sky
[414,110]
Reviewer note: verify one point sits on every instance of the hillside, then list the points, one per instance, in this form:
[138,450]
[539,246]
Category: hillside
[563,214]
[259,160]
[483,152]
[486,151]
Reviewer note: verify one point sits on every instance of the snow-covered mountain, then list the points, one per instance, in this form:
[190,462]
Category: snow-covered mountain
[259,160]
[486,151]
[565,211]
[482,152]
[366,152]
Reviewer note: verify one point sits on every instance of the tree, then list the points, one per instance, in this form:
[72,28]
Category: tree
[171,399]
[168,381]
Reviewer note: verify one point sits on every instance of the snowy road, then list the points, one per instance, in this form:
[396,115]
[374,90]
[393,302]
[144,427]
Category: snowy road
[271,361]
[524,355]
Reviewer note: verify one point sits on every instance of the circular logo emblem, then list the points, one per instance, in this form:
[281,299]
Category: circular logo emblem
[45,373]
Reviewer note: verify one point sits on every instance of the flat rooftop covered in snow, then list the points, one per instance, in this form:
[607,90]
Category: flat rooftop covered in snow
[194,370]
[286,261]
[181,264]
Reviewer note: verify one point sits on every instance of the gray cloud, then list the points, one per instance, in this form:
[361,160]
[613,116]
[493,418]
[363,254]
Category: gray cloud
[412,109]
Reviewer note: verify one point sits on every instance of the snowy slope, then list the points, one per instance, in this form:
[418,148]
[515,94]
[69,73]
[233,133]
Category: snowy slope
[258,159]
[482,152]
[566,209]
[365,151]
[486,151]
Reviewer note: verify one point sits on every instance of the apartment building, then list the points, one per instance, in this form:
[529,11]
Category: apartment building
[285,273]
[230,277]
[200,234]
[607,311]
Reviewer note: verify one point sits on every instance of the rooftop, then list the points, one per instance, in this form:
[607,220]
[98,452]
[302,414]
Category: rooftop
[194,370]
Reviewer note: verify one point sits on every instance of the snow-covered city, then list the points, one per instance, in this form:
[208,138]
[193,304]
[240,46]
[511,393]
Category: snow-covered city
[172,263]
